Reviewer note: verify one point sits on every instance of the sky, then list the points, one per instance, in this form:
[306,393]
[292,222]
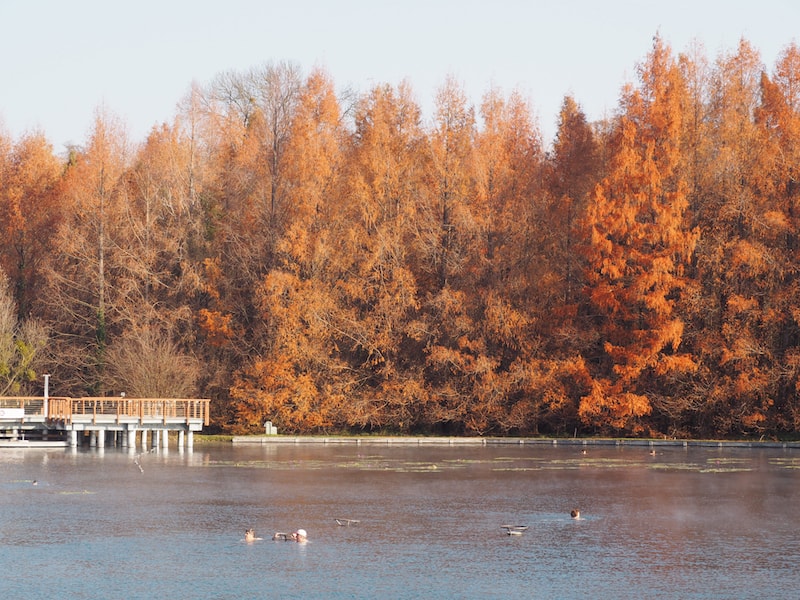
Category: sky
[62,61]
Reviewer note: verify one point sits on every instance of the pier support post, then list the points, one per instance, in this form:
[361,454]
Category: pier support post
[144,439]
[73,438]
[101,438]
[132,439]
[155,437]
[93,438]
[190,439]
[181,438]
[165,439]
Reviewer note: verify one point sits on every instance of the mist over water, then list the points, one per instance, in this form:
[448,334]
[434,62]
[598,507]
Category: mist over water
[685,523]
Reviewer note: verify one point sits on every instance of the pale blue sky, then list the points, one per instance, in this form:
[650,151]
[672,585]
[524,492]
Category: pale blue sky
[61,60]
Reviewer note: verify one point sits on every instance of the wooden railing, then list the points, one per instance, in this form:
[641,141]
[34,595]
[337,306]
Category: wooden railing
[65,409]
[32,405]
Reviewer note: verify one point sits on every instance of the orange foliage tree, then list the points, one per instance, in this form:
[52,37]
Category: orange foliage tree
[80,300]
[298,380]
[638,252]
[737,264]
[447,254]
[377,287]
[29,213]
[779,119]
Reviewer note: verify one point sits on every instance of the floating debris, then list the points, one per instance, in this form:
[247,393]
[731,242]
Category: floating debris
[347,522]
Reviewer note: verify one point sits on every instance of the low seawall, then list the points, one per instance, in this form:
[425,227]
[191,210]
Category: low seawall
[490,441]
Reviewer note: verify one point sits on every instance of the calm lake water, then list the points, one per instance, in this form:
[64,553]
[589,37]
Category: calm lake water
[686,523]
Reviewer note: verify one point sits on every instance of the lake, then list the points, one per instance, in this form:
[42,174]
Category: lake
[685,523]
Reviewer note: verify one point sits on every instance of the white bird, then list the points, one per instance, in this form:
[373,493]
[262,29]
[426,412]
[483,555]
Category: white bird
[514,529]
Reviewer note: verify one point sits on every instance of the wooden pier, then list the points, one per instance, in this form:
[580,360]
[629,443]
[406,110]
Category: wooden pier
[103,420]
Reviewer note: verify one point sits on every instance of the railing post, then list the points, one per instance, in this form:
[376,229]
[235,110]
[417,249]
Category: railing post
[45,408]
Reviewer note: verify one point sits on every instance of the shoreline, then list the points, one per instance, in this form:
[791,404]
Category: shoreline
[497,441]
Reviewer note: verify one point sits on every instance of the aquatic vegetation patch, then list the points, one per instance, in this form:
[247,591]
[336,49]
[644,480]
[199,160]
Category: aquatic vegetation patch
[602,463]
[726,470]
[785,463]
[728,461]
[417,468]
[364,465]
[498,469]
[269,464]
[711,465]
[676,466]
[573,464]
[726,465]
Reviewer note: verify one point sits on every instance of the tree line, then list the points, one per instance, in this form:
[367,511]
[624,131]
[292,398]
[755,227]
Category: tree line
[336,263]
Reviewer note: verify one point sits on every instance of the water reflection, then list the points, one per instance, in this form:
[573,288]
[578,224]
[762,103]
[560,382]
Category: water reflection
[689,523]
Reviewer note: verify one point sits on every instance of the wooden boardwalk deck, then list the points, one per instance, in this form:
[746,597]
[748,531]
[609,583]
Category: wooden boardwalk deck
[122,418]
